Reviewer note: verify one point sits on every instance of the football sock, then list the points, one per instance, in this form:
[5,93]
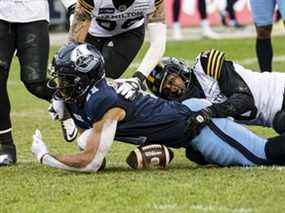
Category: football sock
[176,10]
[202,9]
[275,149]
[264,54]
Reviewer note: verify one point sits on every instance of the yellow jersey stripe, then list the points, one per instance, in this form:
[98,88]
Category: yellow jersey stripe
[221,61]
[209,64]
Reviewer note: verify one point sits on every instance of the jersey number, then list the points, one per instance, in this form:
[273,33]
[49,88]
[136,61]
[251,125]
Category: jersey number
[111,25]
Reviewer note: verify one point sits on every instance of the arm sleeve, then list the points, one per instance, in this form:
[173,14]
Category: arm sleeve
[234,106]
[157,38]
[239,97]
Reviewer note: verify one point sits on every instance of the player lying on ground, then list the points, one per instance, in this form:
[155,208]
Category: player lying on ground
[93,103]
[249,97]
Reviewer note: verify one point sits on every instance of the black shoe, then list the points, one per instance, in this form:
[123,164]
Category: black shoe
[8,155]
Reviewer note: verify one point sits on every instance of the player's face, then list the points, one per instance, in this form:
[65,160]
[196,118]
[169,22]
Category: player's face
[66,88]
[173,86]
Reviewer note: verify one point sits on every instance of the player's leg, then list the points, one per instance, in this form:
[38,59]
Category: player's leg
[119,51]
[33,50]
[176,6]
[7,48]
[225,142]
[262,11]
[275,150]
[281,9]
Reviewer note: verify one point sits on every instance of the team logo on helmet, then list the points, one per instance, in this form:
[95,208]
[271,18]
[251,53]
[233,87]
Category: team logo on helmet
[83,59]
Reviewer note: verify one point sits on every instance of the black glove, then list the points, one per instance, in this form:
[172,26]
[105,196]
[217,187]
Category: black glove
[197,121]
[141,78]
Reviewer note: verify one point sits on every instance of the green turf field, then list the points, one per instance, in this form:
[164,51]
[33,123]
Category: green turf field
[183,187]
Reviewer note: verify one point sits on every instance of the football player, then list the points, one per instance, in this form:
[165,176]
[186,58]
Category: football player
[262,13]
[96,107]
[23,29]
[249,97]
[117,28]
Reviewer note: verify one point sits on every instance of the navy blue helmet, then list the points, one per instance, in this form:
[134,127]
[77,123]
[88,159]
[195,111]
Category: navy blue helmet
[75,68]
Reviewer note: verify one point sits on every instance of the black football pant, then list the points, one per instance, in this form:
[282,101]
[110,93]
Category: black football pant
[118,51]
[31,43]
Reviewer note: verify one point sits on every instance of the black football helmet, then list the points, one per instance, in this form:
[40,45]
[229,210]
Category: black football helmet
[167,65]
[75,68]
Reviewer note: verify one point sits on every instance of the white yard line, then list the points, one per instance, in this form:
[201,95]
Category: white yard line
[201,207]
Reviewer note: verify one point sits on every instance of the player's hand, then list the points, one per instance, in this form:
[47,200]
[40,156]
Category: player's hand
[198,120]
[56,109]
[129,87]
[39,149]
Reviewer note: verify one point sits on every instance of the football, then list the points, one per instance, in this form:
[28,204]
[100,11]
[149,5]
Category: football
[150,156]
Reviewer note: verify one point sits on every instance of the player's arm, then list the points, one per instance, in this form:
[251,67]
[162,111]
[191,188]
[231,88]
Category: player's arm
[81,20]
[239,98]
[98,143]
[157,37]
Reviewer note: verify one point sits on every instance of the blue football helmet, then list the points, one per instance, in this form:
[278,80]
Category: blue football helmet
[76,68]
[158,75]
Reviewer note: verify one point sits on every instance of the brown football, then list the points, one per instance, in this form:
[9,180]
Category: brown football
[150,156]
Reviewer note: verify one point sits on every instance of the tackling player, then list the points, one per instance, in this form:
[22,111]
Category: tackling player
[249,97]
[95,105]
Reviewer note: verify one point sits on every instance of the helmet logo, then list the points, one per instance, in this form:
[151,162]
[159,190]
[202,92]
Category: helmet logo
[84,60]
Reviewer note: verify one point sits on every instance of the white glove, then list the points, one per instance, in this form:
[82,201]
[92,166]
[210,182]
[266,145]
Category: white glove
[39,149]
[56,109]
[128,88]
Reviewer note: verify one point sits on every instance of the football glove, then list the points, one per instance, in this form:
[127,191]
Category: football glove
[197,121]
[39,148]
[130,87]
[56,109]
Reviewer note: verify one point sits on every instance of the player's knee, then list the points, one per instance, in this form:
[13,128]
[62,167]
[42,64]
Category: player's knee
[195,156]
[279,122]
[39,90]
[264,32]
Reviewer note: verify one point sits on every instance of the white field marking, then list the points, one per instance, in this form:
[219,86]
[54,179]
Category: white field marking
[277,168]
[210,208]
[204,208]
[35,113]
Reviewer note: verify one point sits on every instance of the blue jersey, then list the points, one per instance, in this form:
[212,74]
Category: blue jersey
[155,119]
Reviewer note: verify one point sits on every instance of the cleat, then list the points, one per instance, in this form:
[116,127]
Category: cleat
[8,155]
[69,129]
